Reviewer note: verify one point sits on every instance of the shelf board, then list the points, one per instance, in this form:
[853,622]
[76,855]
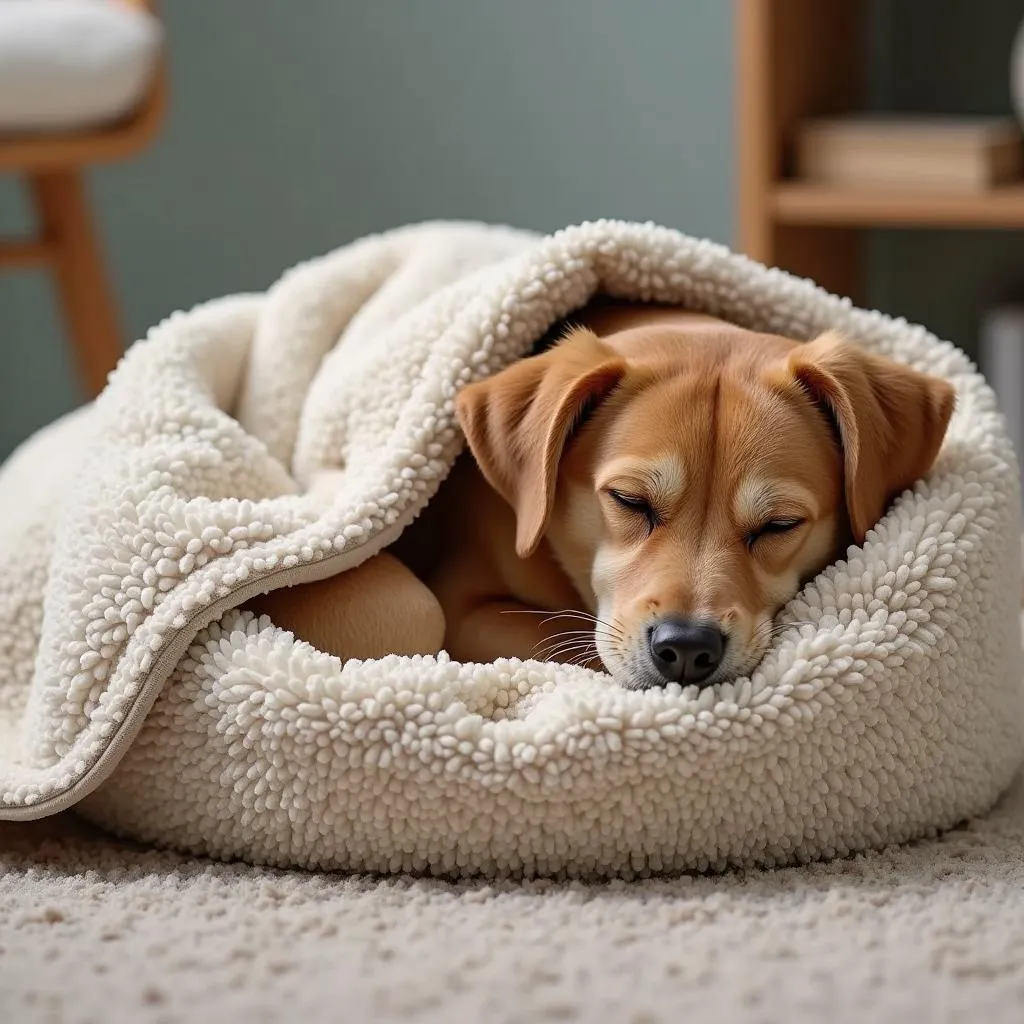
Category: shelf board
[24,253]
[795,202]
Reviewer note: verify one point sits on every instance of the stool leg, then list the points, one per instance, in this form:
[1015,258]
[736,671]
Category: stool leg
[86,300]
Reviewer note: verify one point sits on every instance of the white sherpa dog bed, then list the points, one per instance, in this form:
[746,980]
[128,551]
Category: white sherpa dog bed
[128,534]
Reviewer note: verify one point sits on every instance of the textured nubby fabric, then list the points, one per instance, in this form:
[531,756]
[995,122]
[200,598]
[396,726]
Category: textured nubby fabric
[262,440]
[96,930]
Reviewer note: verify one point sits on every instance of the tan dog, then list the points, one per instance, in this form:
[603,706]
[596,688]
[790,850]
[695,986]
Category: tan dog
[662,482]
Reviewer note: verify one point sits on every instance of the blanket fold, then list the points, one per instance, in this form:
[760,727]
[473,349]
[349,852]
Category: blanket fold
[261,440]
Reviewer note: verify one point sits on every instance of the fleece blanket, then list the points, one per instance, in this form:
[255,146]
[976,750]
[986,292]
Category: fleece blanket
[264,440]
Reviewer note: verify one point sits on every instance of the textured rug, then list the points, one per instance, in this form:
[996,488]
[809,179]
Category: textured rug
[96,930]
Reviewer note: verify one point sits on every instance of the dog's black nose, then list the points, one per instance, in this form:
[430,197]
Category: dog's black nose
[686,652]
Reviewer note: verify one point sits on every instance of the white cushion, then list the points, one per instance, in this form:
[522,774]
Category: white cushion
[890,706]
[73,64]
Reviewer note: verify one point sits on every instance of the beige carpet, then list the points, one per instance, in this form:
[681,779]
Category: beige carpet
[92,930]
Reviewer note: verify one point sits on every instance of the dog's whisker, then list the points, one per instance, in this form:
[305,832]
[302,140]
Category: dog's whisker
[588,631]
[573,613]
[566,613]
[567,649]
[767,632]
[574,635]
[568,632]
[585,618]
[778,628]
[579,656]
[567,645]
[577,647]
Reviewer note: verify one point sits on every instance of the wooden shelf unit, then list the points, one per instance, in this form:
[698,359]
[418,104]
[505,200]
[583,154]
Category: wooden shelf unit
[805,58]
[794,202]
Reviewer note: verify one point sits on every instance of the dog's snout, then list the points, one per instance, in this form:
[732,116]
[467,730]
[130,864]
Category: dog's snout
[686,652]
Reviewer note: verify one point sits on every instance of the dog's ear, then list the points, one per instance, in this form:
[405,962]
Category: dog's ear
[891,420]
[517,423]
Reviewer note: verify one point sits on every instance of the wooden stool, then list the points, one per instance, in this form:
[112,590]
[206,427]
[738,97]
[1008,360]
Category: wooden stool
[54,166]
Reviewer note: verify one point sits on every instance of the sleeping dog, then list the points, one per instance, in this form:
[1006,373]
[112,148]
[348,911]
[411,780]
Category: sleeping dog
[643,496]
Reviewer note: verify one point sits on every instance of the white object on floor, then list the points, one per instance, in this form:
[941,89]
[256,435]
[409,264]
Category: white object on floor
[73,64]
[897,712]
[1017,72]
[1002,362]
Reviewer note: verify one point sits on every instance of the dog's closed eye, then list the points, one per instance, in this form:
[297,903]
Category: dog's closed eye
[636,504]
[773,528]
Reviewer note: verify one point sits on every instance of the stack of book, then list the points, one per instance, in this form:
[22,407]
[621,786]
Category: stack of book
[889,152]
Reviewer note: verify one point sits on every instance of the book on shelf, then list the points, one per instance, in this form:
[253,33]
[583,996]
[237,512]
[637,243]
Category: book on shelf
[963,154]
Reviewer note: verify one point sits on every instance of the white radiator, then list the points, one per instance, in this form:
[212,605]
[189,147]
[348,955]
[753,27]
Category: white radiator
[1002,362]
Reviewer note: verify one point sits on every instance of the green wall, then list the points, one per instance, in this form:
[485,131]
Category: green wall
[297,127]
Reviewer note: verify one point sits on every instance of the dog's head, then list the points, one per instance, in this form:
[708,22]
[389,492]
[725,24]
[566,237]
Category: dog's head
[689,482]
